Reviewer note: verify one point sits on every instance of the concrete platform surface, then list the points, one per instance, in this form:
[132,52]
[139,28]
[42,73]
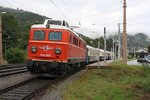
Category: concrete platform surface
[99,64]
[133,62]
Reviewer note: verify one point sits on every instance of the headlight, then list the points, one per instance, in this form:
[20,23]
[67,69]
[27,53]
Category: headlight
[33,49]
[57,50]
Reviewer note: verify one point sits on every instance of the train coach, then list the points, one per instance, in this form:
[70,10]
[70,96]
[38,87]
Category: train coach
[108,55]
[92,54]
[54,48]
[95,54]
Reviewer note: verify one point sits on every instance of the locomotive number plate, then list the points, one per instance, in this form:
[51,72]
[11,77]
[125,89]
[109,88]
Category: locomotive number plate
[45,55]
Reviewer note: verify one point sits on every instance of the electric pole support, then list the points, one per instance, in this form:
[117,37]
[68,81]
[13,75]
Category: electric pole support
[104,44]
[124,34]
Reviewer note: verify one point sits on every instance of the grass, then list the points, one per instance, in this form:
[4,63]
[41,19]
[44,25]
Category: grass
[118,82]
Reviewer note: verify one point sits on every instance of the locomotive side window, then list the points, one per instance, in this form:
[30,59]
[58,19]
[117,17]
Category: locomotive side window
[75,41]
[70,39]
[55,36]
[38,35]
[80,43]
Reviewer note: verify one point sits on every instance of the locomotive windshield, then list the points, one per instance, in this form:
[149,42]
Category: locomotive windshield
[55,35]
[39,35]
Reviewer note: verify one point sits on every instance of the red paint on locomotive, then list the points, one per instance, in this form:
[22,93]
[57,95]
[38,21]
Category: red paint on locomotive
[54,46]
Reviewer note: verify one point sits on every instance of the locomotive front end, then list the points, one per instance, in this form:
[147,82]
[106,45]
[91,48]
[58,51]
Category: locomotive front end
[46,51]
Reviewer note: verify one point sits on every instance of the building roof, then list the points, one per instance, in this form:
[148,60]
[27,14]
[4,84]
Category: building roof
[145,50]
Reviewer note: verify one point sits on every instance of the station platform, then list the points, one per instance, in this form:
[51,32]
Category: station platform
[100,64]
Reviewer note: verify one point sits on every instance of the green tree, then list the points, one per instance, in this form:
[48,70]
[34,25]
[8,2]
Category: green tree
[14,55]
[24,36]
[141,40]
[109,43]
[10,31]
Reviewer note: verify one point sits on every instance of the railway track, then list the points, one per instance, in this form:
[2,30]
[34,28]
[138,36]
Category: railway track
[26,90]
[6,70]
[29,88]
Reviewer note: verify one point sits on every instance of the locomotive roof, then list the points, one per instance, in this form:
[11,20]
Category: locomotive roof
[52,26]
[57,25]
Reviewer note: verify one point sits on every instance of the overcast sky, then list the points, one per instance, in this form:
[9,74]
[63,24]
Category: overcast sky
[93,15]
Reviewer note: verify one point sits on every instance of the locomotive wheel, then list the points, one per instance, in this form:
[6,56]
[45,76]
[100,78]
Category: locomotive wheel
[69,68]
[79,66]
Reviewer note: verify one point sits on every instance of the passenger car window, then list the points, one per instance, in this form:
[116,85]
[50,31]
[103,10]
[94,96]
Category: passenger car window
[38,35]
[55,35]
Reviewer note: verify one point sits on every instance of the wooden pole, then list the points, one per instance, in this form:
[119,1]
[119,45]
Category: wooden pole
[124,34]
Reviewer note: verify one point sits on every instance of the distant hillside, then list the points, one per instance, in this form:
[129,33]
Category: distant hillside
[87,39]
[24,17]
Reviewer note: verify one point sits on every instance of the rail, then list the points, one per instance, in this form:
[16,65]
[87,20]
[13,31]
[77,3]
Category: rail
[27,89]
[6,70]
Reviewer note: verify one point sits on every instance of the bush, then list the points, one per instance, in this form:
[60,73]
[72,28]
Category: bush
[14,55]
[129,57]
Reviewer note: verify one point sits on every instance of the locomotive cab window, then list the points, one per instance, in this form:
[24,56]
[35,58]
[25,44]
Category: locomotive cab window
[55,36]
[38,35]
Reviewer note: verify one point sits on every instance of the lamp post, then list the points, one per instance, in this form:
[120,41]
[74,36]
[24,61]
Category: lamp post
[119,46]
[98,38]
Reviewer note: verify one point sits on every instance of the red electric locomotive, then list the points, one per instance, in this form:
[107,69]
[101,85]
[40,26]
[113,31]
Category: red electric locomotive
[54,48]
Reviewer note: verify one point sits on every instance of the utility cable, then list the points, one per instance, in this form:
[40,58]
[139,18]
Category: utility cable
[58,9]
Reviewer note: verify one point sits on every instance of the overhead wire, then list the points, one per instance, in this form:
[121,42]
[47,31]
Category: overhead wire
[9,4]
[67,6]
[58,9]
[68,10]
